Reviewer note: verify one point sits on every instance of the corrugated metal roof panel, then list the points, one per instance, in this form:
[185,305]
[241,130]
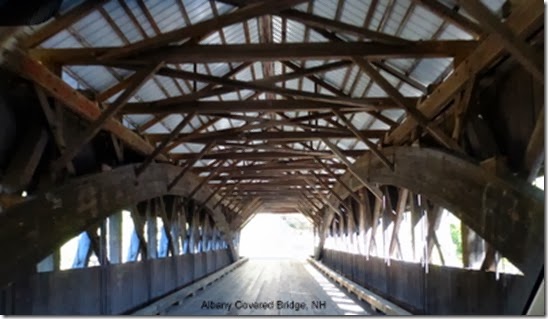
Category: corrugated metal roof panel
[122,21]
[361,85]
[171,121]
[257,67]
[452,32]
[95,31]
[198,10]
[362,120]
[429,69]
[96,76]
[157,128]
[375,91]
[166,14]
[244,75]
[335,77]
[214,38]
[396,17]
[141,18]
[408,90]
[308,85]
[62,39]
[169,85]
[234,34]
[150,92]
[354,12]
[325,8]
[377,16]
[353,73]
[421,25]
[295,31]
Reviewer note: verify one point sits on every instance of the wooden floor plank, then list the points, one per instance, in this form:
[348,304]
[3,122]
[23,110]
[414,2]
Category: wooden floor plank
[270,281]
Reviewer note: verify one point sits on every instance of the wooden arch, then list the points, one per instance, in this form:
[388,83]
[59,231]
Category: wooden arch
[31,230]
[506,212]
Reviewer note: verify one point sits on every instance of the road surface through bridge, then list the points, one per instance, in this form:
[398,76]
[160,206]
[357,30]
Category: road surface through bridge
[272,287]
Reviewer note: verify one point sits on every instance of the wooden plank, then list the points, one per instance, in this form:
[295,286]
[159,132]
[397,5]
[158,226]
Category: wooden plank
[211,53]
[160,306]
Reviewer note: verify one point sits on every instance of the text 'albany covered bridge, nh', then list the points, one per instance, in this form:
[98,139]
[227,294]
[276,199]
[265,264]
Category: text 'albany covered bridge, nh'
[381,121]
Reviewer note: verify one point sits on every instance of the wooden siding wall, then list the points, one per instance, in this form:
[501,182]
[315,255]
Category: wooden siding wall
[441,291]
[115,289]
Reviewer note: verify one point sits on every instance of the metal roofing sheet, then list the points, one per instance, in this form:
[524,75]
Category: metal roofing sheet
[123,21]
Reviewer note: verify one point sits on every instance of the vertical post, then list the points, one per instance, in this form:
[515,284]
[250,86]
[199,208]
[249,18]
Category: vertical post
[152,231]
[115,238]
[472,248]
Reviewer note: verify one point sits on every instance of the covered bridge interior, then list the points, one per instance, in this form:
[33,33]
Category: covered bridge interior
[374,119]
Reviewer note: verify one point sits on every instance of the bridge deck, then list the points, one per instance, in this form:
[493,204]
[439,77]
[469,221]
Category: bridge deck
[272,287]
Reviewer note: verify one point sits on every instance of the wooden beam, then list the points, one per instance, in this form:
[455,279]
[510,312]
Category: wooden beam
[402,201]
[54,86]
[340,155]
[263,155]
[190,163]
[411,110]
[451,15]
[203,27]
[217,167]
[456,184]
[61,22]
[24,160]
[282,136]
[200,107]
[534,153]
[338,26]
[527,17]
[141,168]
[336,177]
[261,87]
[288,167]
[140,78]
[522,52]
[372,147]
[211,53]
[326,186]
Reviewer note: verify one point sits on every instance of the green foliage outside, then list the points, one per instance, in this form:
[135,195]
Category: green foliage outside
[456,238]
